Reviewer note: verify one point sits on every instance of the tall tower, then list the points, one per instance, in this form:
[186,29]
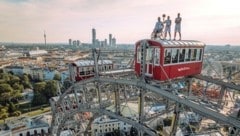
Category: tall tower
[105,42]
[70,41]
[93,36]
[114,41]
[45,38]
[110,39]
[78,42]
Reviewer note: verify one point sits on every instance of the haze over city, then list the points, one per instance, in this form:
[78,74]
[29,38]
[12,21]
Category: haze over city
[213,22]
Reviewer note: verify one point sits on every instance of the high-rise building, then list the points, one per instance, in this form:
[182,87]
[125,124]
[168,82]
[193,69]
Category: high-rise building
[105,42]
[74,43]
[70,41]
[78,42]
[93,36]
[102,43]
[113,41]
[110,39]
[45,38]
[97,43]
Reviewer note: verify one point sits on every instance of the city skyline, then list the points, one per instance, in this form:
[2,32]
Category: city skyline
[212,22]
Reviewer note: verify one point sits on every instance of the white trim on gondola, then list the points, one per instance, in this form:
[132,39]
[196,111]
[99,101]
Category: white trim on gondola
[166,43]
[116,71]
[91,62]
[175,43]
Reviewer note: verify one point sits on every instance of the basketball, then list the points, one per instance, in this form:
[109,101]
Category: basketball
[163,15]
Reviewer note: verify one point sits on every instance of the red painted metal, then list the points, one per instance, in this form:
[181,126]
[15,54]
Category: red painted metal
[170,71]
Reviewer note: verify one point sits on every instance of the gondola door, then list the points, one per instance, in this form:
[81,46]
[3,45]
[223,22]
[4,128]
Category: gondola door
[149,61]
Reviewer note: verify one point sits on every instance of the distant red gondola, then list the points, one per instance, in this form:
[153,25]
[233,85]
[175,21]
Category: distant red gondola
[83,69]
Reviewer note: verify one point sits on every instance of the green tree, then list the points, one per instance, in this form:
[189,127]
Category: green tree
[51,89]
[5,93]
[2,81]
[39,87]
[11,108]
[13,79]
[26,81]
[17,86]
[57,77]
[27,85]
[5,88]
[17,113]
[67,84]
[39,99]
[15,95]
[4,113]
[5,76]
[25,78]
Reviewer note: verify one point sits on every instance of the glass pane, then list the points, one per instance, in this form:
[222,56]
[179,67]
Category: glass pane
[157,56]
[187,54]
[167,56]
[194,54]
[200,55]
[175,54]
[182,55]
[197,55]
[138,54]
[149,56]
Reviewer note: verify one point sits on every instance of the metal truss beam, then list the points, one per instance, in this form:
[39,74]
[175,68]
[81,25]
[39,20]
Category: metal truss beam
[218,82]
[139,83]
[195,107]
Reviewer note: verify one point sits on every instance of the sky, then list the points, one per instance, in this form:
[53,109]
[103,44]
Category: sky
[210,21]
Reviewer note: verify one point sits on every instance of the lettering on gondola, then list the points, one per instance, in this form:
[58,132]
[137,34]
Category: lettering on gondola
[183,69]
